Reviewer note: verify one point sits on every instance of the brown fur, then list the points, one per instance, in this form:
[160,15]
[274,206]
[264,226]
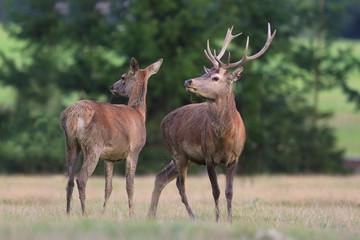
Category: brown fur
[108,132]
[209,133]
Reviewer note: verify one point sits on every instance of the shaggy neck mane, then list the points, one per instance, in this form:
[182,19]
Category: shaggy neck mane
[221,112]
[137,99]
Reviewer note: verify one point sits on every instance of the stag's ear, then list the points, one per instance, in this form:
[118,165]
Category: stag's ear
[236,74]
[207,70]
[154,68]
[134,65]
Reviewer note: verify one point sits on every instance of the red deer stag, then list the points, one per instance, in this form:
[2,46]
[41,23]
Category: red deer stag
[208,133]
[109,132]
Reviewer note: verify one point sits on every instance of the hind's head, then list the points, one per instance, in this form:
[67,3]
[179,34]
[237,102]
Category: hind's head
[124,86]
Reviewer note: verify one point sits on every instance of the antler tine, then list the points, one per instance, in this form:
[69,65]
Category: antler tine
[238,63]
[210,56]
[228,38]
[266,46]
[214,58]
[245,57]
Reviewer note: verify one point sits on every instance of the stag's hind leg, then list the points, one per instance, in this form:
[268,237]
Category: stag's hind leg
[109,167]
[168,174]
[72,155]
[180,183]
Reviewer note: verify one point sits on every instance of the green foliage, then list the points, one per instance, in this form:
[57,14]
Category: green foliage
[78,48]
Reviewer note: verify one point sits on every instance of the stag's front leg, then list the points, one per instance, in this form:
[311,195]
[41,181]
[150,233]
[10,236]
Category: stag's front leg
[109,167]
[230,173]
[180,183]
[131,163]
[215,189]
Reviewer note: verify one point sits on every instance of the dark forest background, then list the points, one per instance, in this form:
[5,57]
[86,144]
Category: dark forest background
[73,50]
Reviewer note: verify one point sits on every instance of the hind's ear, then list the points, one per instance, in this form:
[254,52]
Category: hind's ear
[134,65]
[154,68]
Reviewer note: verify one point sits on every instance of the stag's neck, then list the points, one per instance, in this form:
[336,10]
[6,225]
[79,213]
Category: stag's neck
[137,99]
[221,112]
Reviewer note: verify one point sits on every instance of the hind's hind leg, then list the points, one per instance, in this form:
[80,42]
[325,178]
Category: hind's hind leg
[72,154]
[91,158]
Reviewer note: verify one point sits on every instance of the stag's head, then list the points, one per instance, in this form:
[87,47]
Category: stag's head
[216,81]
[125,84]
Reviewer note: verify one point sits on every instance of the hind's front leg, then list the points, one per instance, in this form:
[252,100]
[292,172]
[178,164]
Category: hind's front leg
[109,168]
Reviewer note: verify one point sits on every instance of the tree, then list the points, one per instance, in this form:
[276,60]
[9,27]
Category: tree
[78,48]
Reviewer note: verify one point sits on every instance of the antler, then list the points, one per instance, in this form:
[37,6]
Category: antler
[228,38]
[216,59]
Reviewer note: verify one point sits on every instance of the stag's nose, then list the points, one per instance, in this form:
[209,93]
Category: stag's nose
[187,82]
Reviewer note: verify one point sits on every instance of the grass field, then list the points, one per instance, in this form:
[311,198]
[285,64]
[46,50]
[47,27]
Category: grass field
[288,207]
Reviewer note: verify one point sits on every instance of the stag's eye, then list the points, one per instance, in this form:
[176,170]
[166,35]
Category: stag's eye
[215,79]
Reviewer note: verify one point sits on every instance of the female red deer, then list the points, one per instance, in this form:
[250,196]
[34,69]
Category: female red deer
[107,131]
[209,133]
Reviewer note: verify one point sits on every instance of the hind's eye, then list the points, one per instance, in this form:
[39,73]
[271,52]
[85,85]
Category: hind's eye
[215,79]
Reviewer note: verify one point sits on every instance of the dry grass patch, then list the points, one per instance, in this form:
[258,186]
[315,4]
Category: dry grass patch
[303,207]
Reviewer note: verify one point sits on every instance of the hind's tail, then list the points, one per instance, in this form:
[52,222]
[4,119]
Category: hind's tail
[76,118]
